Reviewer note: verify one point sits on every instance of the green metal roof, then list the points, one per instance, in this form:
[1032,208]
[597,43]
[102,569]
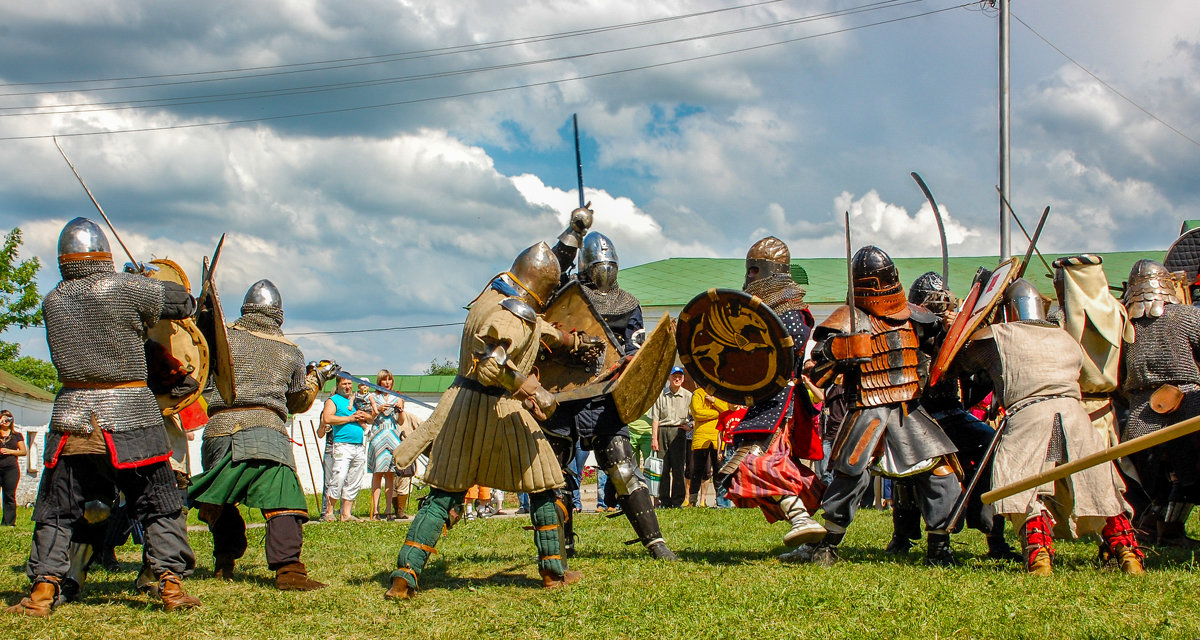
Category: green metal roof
[408,383]
[1188,225]
[675,281]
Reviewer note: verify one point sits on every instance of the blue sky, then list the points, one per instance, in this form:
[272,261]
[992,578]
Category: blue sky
[396,216]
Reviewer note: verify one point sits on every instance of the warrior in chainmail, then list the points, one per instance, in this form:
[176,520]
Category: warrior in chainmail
[485,428]
[246,452]
[595,422]
[769,278]
[1034,368]
[878,344]
[944,403]
[1162,362]
[106,428]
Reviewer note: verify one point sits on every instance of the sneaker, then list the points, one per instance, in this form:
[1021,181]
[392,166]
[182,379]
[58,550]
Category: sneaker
[522,511]
[802,553]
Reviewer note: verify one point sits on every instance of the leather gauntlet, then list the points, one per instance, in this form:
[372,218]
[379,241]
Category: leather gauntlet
[540,402]
[851,347]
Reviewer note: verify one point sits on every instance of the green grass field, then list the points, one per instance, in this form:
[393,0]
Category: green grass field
[483,584]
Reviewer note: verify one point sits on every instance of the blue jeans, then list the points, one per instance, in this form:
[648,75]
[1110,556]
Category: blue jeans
[577,467]
[601,481]
[722,501]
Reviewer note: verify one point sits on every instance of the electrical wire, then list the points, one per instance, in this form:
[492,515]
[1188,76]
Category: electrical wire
[375,330]
[479,92]
[1105,84]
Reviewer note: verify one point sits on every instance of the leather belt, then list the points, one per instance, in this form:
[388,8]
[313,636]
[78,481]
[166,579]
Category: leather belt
[474,385]
[130,384]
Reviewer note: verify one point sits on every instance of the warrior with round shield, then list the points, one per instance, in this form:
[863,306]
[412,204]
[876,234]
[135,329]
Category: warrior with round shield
[485,428]
[769,278]
[1162,384]
[595,422]
[1034,367]
[106,429]
[878,345]
[246,451]
[945,402]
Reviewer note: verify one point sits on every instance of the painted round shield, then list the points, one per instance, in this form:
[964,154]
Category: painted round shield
[734,346]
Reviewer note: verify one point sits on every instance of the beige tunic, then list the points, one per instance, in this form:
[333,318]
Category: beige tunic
[1044,362]
[481,439]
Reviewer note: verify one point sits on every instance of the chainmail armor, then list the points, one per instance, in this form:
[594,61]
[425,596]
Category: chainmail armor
[779,291]
[95,328]
[265,371]
[83,268]
[1164,351]
[613,304]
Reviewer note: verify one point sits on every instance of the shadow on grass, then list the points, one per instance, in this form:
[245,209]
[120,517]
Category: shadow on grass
[435,576]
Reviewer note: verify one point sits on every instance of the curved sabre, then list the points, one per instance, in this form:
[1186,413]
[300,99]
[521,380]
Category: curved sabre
[937,215]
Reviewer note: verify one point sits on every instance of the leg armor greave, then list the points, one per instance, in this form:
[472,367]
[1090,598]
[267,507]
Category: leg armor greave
[544,513]
[439,511]
[616,456]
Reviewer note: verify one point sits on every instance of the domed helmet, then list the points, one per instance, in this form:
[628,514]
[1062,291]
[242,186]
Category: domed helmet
[263,293]
[1022,301]
[877,288]
[82,241]
[1150,288]
[598,261]
[767,257]
[536,272]
[931,291]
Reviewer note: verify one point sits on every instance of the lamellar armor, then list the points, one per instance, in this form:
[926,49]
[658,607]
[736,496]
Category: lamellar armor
[1149,289]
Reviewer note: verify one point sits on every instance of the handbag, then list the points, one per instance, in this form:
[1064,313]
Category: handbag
[762,478]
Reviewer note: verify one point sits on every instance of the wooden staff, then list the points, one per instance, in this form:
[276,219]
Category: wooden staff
[1179,429]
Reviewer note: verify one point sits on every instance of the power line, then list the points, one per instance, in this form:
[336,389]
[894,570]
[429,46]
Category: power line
[376,330]
[387,57]
[148,103]
[479,92]
[1105,84]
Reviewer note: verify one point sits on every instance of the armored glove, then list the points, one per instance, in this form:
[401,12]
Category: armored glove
[323,371]
[588,349]
[577,227]
[178,302]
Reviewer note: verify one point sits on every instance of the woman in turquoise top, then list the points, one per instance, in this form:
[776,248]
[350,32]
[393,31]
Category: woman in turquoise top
[344,477]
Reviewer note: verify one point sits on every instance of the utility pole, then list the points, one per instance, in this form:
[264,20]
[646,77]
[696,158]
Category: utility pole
[1005,178]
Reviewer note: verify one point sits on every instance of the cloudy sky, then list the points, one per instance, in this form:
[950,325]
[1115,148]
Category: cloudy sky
[381,160]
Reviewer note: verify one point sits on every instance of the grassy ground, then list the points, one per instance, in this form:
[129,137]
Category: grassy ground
[728,585]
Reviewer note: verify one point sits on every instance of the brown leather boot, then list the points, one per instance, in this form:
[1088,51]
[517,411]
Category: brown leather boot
[170,589]
[401,506]
[400,590]
[294,577]
[40,601]
[223,566]
[1128,560]
[551,580]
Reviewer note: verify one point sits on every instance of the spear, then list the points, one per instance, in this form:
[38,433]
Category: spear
[578,160]
[98,207]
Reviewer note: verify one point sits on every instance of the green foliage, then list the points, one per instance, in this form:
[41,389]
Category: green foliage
[34,370]
[20,302]
[444,367]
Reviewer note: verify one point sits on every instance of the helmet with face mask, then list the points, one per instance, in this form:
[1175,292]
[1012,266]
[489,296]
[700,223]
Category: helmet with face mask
[767,257]
[598,262]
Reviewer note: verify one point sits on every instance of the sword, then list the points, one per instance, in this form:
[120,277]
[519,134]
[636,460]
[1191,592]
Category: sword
[364,381]
[850,279]
[1027,236]
[1037,233]
[960,505]
[937,215]
[98,207]
[578,160]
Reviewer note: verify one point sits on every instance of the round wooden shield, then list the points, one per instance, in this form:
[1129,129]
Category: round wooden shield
[1184,255]
[734,346]
[182,340]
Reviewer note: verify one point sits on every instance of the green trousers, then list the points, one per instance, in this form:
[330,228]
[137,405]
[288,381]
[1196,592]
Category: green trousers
[441,509]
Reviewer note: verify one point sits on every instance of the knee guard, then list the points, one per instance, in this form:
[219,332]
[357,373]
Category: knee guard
[618,461]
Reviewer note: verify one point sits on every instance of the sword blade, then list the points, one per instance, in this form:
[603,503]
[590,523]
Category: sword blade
[937,215]
[578,160]
[343,374]
[1037,233]
[850,279]
[94,202]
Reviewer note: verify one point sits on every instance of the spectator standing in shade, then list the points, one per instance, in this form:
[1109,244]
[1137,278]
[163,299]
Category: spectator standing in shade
[706,442]
[349,456]
[12,446]
[669,421]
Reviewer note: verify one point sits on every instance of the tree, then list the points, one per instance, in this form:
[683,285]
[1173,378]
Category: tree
[20,305]
[445,367]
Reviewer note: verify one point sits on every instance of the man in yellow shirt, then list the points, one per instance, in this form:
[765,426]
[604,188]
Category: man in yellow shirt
[706,442]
